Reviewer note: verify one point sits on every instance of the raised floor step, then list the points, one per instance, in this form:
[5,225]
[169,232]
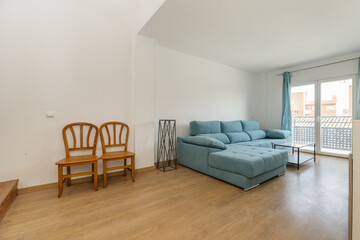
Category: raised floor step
[8,191]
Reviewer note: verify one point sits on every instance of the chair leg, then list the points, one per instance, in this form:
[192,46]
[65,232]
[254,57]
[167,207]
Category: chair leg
[60,181]
[68,172]
[95,174]
[105,172]
[133,169]
[92,169]
[125,160]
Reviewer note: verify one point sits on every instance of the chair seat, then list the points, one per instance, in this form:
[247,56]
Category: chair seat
[117,154]
[78,159]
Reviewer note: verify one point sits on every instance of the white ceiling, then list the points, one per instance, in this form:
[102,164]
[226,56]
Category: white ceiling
[258,35]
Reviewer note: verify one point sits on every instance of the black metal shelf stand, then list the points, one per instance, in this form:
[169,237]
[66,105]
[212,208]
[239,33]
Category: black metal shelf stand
[166,151]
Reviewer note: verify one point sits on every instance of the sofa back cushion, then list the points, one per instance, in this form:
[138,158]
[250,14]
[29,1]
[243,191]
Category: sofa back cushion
[218,136]
[256,134]
[231,126]
[204,142]
[204,127]
[238,137]
[250,125]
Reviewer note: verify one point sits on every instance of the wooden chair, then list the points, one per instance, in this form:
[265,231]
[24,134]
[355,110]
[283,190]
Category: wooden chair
[116,139]
[89,144]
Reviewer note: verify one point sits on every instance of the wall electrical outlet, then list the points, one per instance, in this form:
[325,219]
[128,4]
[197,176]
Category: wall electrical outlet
[50,114]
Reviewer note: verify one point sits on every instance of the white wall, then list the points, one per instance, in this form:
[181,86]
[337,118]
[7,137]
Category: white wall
[72,57]
[190,88]
[355,192]
[84,61]
[146,9]
[144,101]
[269,108]
[258,93]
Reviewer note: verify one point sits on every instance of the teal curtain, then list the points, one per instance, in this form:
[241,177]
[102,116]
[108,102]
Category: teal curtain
[286,107]
[358,92]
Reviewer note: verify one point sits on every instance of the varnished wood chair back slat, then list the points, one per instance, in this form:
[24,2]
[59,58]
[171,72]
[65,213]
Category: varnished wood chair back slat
[90,145]
[114,139]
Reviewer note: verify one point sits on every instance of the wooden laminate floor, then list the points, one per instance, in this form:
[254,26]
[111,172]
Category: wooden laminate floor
[309,204]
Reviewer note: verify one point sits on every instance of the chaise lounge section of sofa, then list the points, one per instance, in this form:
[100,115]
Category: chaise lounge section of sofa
[237,152]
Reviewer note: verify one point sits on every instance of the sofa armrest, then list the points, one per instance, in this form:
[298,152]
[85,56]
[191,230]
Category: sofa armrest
[205,142]
[276,133]
[194,156]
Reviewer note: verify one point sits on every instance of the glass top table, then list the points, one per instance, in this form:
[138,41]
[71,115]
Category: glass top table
[297,159]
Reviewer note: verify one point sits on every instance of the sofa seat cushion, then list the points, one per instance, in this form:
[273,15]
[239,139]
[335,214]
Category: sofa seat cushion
[248,161]
[266,142]
[219,136]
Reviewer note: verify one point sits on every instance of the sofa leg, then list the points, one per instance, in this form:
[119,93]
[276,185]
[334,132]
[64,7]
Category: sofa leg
[247,189]
[282,174]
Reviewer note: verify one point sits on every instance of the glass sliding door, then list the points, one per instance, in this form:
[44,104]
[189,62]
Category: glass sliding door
[303,113]
[336,116]
[322,113]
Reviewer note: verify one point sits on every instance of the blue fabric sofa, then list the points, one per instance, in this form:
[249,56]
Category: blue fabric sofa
[237,152]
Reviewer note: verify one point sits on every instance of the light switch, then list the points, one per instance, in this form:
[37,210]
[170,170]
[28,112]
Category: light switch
[50,114]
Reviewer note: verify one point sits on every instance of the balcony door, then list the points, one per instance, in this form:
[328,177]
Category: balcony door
[303,110]
[336,116]
[322,113]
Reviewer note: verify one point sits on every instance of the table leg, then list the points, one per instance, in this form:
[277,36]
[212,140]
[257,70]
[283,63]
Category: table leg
[298,158]
[314,152]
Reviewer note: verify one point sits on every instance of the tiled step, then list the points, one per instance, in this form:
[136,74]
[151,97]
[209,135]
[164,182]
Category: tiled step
[8,191]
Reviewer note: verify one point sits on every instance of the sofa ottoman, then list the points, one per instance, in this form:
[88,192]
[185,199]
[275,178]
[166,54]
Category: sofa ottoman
[248,161]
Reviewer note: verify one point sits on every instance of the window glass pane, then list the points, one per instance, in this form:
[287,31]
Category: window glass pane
[303,113]
[336,116]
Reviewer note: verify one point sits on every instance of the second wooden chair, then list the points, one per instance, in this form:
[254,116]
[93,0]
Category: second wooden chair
[112,135]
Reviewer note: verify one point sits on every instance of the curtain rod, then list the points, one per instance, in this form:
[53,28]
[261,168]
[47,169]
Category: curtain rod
[323,65]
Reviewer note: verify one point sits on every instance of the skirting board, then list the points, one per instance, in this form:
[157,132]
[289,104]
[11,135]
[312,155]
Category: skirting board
[76,180]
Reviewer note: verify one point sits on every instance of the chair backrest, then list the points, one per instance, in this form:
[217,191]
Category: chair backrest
[112,135]
[78,131]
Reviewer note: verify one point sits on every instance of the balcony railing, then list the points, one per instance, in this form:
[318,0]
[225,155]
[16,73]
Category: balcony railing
[336,132]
